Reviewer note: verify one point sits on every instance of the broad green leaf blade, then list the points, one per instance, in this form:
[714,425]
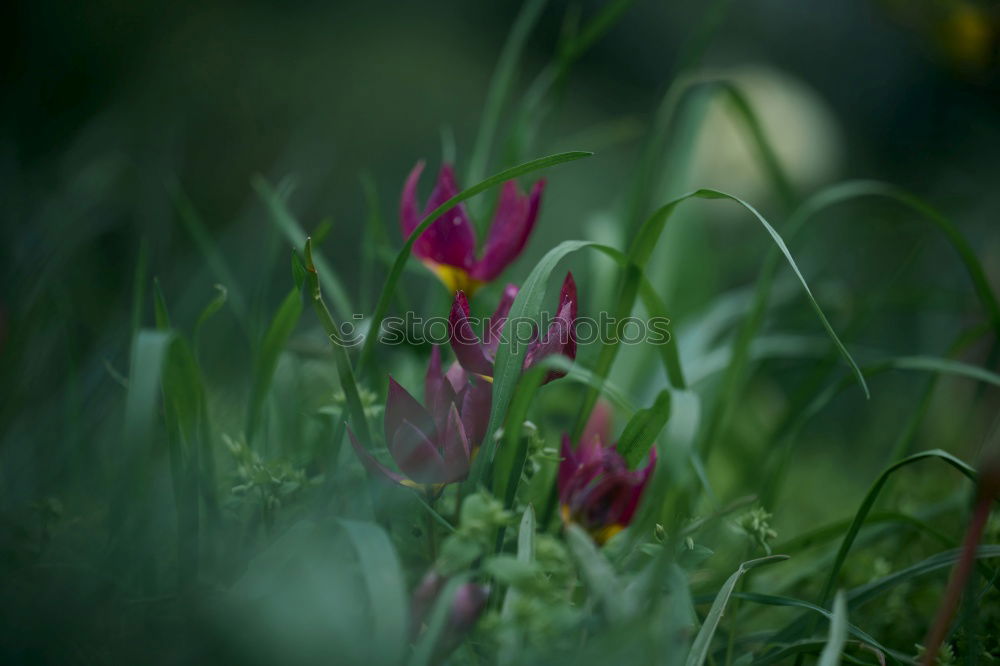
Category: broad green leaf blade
[838,633]
[389,288]
[702,642]
[386,590]
[642,430]
[278,332]
[296,236]
[597,572]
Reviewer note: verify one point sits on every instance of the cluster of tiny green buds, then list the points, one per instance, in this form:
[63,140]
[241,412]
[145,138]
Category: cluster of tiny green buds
[756,524]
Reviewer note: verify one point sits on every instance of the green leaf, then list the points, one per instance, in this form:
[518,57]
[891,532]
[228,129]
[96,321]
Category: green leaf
[869,502]
[398,265]
[643,428]
[773,600]
[215,259]
[639,253]
[345,374]
[296,236]
[597,573]
[702,642]
[277,335]
[160,307]
[213,306]
[389,620]
[838,633]
[500,85]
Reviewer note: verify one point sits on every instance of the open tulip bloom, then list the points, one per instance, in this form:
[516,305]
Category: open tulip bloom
[596,489]
[477,355]
[432,445]
[448,246]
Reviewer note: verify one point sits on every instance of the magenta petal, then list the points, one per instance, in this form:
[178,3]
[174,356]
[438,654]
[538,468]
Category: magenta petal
[451,239]
[560,338]
[476,401]
[455,448]
[409,215]
[457,377]
[598,428]
[464,342]
[374,467]
[416,455]
[438,391]
[641,481]
[512,225]
[567,467]
[499,318]
[400,406]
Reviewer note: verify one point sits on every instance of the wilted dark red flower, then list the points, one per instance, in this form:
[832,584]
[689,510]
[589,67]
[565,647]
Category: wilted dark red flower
[448,246]
[432,445]
[477,356]
[596,489]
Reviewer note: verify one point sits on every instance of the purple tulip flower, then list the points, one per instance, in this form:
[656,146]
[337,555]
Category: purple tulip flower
[448,246]
[596,489]
[477,356]
[433,445]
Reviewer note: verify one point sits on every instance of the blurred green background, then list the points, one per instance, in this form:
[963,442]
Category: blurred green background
[117,115]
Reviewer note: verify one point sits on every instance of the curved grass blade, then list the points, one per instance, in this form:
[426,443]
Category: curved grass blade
[215,259]
[386,592]
[296,236]
[398,265]
[642,247]
[277,335]
[944,560]
[702,642]
[500,85]
[869,501]
[774,600]
[213,306]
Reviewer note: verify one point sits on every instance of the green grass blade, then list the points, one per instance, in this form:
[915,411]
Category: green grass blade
[525,553]
[643,428]
[500,86]
[278,332]
[296,236]
[391,282]
[703,641]
[869,502]
[642,247]
[213,306]
[386,590]
[838,633]
[215,259]
[345,374]
[160,311]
